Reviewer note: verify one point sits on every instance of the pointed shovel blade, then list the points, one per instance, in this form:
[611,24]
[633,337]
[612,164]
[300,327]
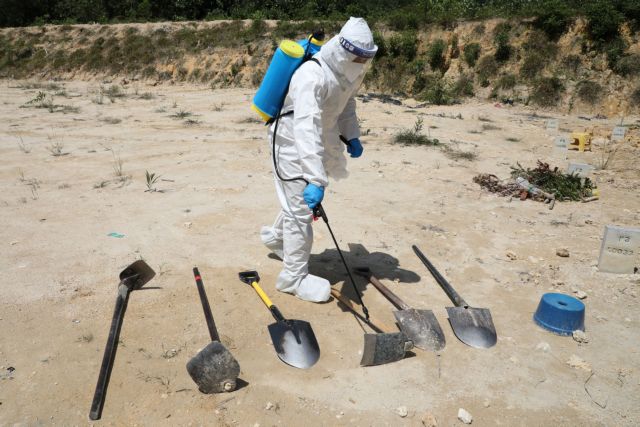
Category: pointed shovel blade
[421,327]
[473,326]
[295,343]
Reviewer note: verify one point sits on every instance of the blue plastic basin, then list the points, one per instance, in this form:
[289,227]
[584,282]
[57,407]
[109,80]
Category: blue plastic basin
[560,314]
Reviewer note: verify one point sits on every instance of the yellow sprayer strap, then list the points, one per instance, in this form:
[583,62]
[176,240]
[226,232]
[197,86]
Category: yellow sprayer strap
[265,299]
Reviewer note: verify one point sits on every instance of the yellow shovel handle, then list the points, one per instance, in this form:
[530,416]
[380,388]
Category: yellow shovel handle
[265,299]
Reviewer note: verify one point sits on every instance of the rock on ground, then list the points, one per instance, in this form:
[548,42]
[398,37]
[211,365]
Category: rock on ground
[464,416]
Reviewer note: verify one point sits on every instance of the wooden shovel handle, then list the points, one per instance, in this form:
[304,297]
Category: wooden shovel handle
[374,323]
[395,299]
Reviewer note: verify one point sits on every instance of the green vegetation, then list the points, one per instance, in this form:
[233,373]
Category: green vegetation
[589,92]
[532,65]
[487,67]
[407,62]
[457,154]
[501,40]
[554,18]
[563,186]
[471,53]
[547,91]
[603,21]
[435,55]
[628,65]
[151,178]
[551,16]
[506,82]
[404,45]
[414,136]
[635,97]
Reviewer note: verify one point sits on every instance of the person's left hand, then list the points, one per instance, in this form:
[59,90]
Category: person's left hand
[354,147]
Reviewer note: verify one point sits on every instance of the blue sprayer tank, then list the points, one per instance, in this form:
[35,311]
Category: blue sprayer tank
[286,59]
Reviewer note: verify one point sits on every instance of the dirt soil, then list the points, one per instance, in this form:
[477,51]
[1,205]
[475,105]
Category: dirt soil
[60,266]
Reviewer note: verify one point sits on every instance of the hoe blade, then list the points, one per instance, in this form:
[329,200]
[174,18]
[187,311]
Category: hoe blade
[384,348]
[137,275]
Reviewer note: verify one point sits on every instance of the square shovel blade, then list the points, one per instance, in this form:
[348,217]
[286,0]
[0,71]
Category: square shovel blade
[473,326]
[295,343]
[421,327]
[136,275]
[384,348]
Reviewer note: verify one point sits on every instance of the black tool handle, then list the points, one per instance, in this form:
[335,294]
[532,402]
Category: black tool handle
[321,213]
[213,332]
[109,353]
[446,287]
[395,299]
[276,314]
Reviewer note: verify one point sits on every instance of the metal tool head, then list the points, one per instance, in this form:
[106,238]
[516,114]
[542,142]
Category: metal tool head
[295,343]
[384,348]
[421,327]
[214,369]
[136,275]
[473,326]
[249,277]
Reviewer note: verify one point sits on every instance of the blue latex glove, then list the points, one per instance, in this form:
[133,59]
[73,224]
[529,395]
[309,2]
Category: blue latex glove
[313,195]
[354,147]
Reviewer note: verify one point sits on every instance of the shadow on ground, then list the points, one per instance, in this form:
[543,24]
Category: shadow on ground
[383,266]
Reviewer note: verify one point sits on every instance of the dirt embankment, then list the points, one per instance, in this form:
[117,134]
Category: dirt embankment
[504,61]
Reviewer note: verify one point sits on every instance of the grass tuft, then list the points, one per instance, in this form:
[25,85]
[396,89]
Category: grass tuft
[415,136]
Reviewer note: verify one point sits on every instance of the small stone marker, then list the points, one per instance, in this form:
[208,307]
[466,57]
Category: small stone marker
[619,250]
[618,133]
[552,125]
[561,145]
[581,170]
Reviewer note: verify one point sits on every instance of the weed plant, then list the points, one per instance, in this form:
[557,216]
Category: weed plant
[415,136]
[151,179]
[471,53]
[589,91]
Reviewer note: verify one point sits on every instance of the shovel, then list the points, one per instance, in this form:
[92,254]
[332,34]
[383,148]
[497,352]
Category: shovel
[382,347]
[420,326]
[294,340]
[214,369]
[472,326]
[131,278]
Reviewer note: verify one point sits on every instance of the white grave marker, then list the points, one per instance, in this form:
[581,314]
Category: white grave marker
[618,133]
[620,249]
[582,170]
[552,125]
[561,145]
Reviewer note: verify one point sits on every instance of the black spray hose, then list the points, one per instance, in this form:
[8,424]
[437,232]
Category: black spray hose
[318,212]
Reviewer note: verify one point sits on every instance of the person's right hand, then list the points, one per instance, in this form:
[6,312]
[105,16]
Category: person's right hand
[313,195]
[354,147]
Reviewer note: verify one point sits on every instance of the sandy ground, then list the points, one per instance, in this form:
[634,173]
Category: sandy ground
[60,268]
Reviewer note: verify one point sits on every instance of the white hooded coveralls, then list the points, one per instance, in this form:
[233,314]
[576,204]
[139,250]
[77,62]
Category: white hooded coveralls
[308,145]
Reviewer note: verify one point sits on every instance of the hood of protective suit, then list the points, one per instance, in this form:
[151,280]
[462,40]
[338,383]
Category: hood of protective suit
[349,53]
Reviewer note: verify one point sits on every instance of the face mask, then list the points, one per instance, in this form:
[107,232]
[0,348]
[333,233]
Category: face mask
[353,70]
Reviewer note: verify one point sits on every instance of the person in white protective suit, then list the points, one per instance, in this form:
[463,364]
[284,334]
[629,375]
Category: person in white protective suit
[308,147]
